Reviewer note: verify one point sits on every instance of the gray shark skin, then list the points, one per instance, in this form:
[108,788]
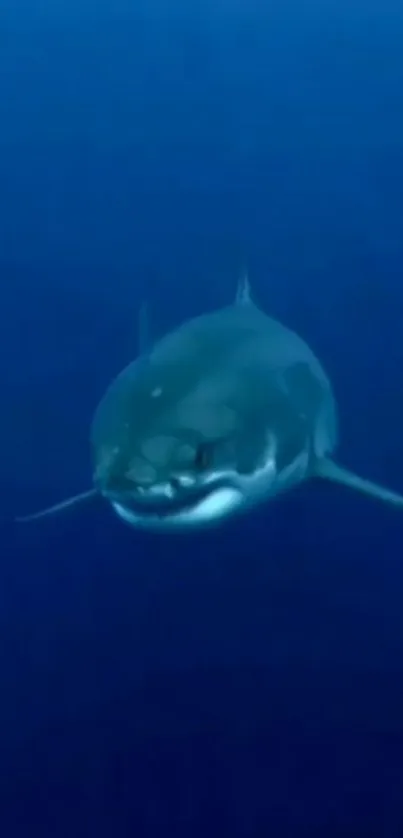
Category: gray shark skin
[224,413]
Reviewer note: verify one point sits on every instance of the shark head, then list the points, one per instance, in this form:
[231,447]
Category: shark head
[230,409]
[189,435]
[185,456]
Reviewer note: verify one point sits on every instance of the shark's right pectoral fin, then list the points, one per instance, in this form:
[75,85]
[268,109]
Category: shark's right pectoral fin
[77,500]
[337,474]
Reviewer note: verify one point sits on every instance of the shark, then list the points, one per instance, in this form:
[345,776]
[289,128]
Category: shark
[224,413]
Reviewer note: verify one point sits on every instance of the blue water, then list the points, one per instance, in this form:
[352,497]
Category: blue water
[248,681]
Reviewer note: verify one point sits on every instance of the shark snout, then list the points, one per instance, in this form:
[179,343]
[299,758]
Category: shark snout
[115,472]
[140,483]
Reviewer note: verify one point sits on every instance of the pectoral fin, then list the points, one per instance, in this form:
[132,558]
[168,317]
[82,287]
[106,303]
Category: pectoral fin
[59,507]
[337,474]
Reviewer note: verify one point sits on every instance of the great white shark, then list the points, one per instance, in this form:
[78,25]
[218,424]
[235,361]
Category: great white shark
[224,413]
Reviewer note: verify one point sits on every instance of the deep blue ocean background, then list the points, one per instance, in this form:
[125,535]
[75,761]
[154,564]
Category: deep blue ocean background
[248,681]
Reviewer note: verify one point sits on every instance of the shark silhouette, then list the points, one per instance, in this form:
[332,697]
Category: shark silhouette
[226,412]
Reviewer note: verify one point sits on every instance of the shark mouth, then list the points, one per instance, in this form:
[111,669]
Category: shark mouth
[168,499]
[200,505]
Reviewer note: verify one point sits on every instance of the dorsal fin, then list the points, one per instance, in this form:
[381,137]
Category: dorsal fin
[143,330]
[243,293]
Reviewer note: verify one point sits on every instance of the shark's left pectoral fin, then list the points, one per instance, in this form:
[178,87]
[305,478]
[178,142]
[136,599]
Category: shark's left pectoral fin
[77,500]
[337,474]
